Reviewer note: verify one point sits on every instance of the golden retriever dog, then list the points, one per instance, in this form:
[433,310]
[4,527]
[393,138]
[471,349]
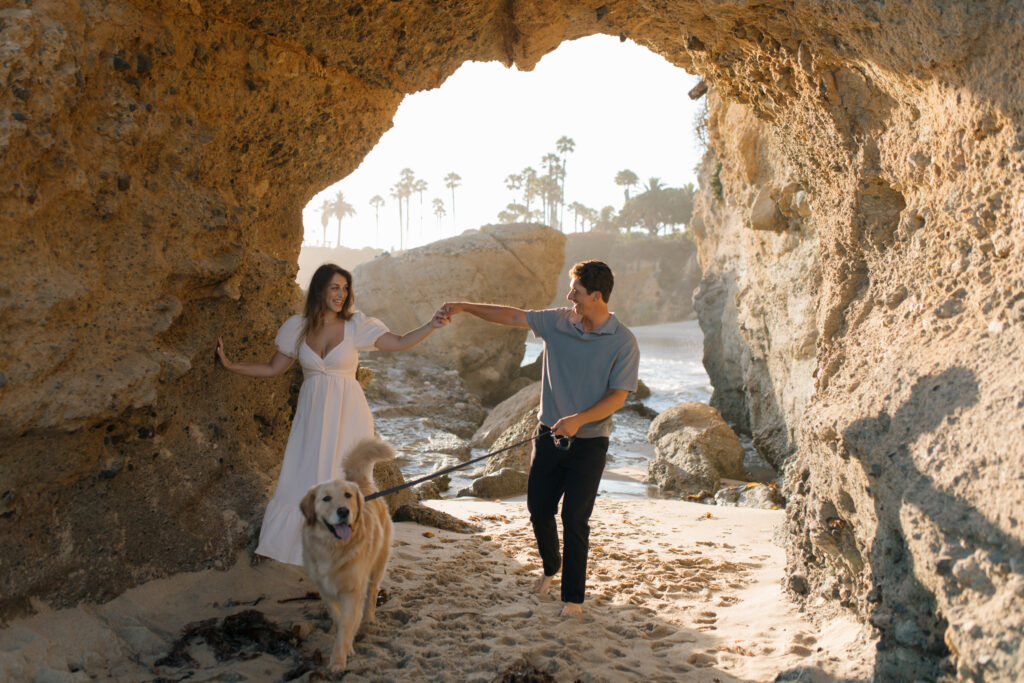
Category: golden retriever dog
[346,542]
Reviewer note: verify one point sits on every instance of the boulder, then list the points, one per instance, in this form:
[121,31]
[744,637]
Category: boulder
[519,437]
[694,450]
[504,483]
[506,414]
[517,265]
[387,474]
[751,495]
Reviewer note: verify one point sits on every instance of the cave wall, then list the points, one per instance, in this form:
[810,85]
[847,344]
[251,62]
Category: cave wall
[863,303]
[157,154]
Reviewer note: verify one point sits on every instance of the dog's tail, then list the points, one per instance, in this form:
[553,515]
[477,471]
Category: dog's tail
[357,464]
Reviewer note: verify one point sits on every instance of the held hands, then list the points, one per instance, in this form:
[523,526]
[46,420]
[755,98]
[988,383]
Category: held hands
[440,319]
[450,309]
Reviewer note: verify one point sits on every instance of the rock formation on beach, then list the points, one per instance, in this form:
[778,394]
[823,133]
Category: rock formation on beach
[860,228]
[516,265]
[655,277]
[863,322]
[695,450]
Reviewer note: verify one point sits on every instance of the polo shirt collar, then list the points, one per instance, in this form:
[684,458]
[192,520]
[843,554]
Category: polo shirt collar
[609,327]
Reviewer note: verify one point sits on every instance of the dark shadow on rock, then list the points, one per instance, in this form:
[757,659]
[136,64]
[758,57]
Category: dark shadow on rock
[905,611]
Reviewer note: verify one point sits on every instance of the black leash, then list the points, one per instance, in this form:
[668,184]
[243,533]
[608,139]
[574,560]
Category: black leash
[434,475]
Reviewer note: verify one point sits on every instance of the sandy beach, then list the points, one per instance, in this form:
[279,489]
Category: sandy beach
[677,591]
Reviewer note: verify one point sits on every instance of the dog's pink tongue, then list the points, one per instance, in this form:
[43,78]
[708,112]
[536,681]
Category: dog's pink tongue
[344,531]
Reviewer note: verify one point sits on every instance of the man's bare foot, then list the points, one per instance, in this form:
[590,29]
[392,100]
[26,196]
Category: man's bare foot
[572,609]
[542,584]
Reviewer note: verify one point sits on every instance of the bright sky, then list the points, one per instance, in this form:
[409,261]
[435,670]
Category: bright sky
[624,107]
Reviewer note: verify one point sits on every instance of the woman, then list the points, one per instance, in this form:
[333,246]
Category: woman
[332,414]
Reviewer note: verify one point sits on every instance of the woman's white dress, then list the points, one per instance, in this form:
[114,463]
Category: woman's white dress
[331,416]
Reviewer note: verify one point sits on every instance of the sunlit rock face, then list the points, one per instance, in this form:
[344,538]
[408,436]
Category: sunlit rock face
[860,239]
[156,157]
[513,265]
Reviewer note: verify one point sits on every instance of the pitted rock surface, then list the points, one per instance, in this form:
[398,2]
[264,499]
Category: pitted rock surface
[157,156]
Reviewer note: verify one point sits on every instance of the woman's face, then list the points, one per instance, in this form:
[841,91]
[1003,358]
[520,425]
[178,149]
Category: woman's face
[336,293]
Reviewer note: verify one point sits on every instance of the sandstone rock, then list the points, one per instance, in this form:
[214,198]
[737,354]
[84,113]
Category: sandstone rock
[433,488]
[504,483]
[428,516]
[765,214]
[654,276]
[642,390]
[517,439]
[506,414]
[752,495]
[516,265]
[387,474]
[157,163]
[677,469]
[699,430]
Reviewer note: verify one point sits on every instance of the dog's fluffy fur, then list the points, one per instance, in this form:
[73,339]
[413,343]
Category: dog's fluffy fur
[346,542]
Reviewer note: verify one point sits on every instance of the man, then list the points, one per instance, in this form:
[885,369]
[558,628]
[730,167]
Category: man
[591,363]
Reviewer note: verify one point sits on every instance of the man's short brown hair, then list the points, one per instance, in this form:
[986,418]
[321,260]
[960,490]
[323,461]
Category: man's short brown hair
[594,275]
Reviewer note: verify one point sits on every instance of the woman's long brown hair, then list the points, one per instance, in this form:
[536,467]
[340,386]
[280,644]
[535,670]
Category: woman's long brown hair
[315,306]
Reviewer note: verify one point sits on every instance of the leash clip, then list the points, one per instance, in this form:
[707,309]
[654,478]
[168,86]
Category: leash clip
[563,443]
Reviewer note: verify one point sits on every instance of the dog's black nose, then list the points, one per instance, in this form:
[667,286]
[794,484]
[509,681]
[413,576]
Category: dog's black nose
[342,513]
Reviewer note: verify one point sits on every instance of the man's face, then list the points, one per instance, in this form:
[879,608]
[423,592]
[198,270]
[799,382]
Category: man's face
[580,297]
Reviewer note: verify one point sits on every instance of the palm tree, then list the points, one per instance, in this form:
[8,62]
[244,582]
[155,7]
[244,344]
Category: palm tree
[376,201]
[397,193]
[408,180]
[530,188]
[627,179]
[654,185]
[325,216]
[419,186]
[439,210]
[341,209]
[606,220]
[554,165]
[576,209]
[513,181]
[451,181]
[565,145]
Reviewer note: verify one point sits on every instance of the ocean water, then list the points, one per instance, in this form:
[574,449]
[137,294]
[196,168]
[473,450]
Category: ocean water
[670,365]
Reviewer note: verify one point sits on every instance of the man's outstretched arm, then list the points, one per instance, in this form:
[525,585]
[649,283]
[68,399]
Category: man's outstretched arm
[492,313]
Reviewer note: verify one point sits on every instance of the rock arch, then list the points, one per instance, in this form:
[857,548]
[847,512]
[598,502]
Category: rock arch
[156,156]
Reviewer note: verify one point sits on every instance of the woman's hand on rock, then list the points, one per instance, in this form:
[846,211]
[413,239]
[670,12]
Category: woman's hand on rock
[220,354]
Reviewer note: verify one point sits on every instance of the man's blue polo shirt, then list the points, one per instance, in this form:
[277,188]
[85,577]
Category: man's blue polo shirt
[581,367]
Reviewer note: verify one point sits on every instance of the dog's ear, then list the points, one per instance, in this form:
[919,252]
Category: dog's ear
[308,506]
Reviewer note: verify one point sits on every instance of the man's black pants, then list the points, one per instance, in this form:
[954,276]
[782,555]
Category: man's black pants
[576,474]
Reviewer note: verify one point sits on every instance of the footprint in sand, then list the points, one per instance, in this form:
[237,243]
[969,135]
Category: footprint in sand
[702,659]
[706,621]
[804,639]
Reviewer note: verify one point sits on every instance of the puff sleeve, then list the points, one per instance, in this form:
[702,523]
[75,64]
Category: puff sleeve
[368,330]
[287,340]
